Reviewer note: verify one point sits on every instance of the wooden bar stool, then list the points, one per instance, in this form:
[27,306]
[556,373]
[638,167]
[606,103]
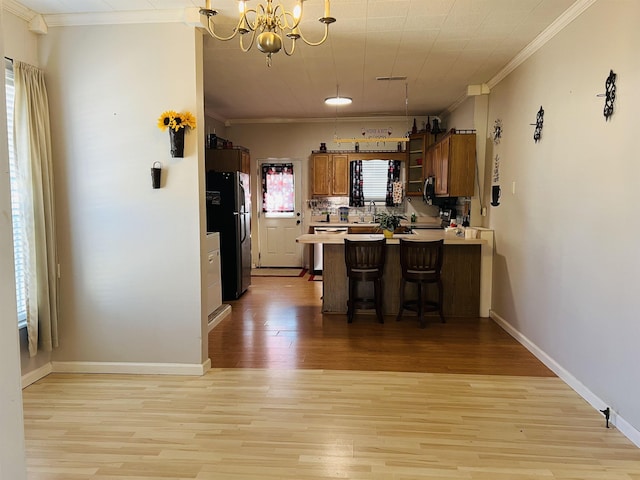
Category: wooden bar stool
[365,263]
[421,263]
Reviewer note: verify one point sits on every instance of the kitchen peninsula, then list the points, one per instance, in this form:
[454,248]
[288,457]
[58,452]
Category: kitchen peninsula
[466,271]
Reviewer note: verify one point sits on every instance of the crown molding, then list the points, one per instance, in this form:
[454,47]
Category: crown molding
[117,18]
[18,10]
[573,12]
[257,121]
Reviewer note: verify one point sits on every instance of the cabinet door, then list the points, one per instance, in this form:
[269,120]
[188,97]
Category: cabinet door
[320,178]
[462,163]
[429,162]
[441,167]
[340,175]
[246,162]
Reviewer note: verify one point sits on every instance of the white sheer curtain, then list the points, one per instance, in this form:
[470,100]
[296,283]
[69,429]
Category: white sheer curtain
[33,155]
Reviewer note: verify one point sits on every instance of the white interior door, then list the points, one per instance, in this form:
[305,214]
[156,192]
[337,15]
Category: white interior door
[279,213]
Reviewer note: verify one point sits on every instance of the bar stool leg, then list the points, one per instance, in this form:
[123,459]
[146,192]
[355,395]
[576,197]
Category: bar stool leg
[421,297]
[401,308]
[440,298]
[350,300]
[378,299]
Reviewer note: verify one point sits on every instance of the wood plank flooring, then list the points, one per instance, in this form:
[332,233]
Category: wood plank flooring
[278,323]
[326,400]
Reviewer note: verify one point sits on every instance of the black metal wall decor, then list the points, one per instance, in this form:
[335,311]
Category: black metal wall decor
[497,131]
[610,96]
[539,122]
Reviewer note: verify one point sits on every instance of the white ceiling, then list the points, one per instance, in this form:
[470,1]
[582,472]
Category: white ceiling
[441,46]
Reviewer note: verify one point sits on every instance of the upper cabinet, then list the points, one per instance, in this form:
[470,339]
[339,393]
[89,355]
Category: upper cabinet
[330,174]
[330,170]
[235,159]
[454,160]
[418,163]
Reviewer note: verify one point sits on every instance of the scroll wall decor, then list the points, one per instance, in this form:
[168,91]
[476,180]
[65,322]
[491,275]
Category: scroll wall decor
[539,123]
[610,95]
[497,131]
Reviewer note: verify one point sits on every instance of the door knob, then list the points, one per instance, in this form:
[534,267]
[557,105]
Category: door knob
[298,222]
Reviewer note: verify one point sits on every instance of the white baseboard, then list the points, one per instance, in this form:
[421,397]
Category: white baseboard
[220,314]
[35,375]
[620,423]
[132,368]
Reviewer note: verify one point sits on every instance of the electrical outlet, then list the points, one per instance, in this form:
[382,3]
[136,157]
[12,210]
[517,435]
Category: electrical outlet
[483,211]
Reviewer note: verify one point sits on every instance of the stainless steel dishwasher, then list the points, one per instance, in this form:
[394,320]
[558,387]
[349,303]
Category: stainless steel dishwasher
[317,247]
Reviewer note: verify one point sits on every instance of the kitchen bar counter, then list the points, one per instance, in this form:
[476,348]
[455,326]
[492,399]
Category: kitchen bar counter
[422,235]
[335,224]
[466,272]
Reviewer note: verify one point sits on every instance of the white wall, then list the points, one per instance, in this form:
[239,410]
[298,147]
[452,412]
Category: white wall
[567,257]
[131,286]
[12,460]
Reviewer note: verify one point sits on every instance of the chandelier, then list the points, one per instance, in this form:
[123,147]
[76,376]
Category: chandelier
[267,24]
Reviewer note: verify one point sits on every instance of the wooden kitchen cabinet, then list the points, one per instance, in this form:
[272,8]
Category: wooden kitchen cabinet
[330,174]
[454,161]
[330,171]
[419,163]
[236,159]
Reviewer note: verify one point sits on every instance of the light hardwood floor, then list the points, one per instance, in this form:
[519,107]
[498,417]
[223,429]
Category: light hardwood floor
[454,401]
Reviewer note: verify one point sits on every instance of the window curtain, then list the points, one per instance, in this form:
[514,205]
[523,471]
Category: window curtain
[277,188]
[356,196]
[393,177]
[33,156]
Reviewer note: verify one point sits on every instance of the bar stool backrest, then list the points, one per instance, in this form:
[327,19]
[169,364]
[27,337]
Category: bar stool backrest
[364,257]
[421,259]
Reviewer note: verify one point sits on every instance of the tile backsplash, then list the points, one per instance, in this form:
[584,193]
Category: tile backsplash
[330,205]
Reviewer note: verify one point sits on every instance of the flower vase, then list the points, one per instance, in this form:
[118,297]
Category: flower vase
[387,233]
[176,137]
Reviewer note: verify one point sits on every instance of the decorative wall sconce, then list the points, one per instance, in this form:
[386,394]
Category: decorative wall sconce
[610,95]
[497,131]
[539,122]
[156,174]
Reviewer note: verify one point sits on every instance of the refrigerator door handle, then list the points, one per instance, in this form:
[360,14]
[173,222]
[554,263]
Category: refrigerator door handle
[243,220]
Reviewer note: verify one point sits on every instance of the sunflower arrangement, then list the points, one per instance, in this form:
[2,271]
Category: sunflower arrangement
[176,121]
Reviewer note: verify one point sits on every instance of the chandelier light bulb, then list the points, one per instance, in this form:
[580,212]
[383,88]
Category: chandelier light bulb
[241,6]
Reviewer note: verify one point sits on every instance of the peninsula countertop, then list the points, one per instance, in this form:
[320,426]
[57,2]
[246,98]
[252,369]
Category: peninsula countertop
[336,238]
[337,224]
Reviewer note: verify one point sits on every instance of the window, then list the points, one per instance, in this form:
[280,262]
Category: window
[278,194]
[374,180]
[19,242]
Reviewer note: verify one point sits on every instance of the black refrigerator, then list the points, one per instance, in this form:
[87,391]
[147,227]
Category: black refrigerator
[228,202]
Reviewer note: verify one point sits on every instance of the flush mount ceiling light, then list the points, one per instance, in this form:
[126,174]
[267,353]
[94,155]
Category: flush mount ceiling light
[338,101]
[268,23]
